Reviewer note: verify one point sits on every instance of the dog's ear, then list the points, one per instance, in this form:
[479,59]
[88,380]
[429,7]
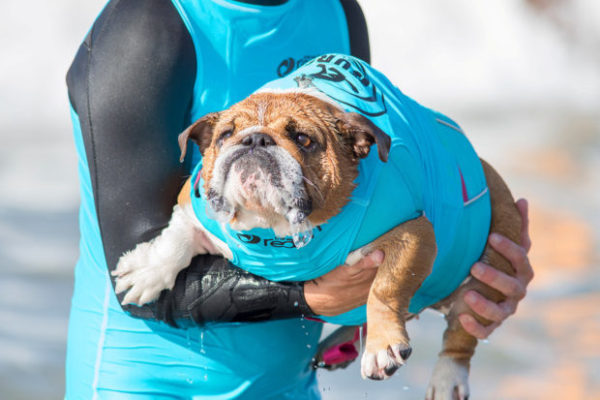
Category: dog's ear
[200,132]
[362,133]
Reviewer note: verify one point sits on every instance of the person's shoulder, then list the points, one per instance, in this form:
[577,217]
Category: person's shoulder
[137,22]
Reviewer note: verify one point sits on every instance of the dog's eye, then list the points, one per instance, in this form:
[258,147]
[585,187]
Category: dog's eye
[304,141]
[224,136]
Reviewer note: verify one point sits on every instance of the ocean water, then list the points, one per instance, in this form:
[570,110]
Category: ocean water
[523,82]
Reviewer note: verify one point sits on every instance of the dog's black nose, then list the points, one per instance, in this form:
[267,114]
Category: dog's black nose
[258,139]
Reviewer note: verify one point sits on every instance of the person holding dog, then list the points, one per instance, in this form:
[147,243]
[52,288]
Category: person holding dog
[146,70]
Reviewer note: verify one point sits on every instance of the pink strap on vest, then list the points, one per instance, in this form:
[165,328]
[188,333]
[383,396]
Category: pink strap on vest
[464,187]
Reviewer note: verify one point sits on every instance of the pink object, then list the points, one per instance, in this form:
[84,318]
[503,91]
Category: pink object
[343,352]
[197,180]
[340,353]
[464,187]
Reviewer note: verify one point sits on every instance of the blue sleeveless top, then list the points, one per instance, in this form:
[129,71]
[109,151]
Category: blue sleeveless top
[432,170]
[109,351]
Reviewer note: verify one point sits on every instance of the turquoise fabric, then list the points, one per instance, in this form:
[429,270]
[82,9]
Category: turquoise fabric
[422,176]
[238,48]
[241,46]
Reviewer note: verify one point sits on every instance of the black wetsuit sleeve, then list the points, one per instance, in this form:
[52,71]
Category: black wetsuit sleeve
[131,84]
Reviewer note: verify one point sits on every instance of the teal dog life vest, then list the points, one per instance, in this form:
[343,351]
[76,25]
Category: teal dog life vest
[432,170]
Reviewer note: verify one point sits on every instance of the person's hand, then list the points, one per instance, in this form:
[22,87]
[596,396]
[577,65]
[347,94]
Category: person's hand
[514,288]
[344,288]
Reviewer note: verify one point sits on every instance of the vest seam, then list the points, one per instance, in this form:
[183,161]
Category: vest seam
[474,199]
[449,125]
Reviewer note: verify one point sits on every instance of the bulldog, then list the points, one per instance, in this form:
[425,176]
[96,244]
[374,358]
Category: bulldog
[288,187]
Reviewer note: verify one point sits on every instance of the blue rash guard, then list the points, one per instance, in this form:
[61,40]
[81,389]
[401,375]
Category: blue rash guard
[236,48]
[432,169]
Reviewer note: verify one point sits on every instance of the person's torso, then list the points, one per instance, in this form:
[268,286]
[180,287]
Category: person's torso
[238,48]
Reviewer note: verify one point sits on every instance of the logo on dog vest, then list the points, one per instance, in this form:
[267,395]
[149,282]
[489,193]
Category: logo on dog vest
[340,77]
[286,243]
[289,64]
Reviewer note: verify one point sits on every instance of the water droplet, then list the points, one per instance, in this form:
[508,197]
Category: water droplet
[486,341]
[222,216]
[360,339]
[202,350]
[321,364]
[188,341]
[306,333]
[295,304]
[308,346]
[301,239]
[405,388]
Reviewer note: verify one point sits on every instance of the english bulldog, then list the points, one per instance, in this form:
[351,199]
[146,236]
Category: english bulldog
[288,187]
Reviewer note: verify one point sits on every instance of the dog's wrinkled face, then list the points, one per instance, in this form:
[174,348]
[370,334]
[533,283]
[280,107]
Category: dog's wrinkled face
[283,160]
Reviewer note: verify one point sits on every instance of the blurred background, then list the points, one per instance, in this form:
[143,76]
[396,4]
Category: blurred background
[522,77]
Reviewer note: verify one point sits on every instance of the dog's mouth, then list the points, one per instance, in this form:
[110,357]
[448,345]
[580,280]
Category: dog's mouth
[259,187]
[252,167]
[250,176]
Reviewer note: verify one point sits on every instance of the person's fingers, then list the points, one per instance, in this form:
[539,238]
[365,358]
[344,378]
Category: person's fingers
[343,288]
[511,287]
[514,288]
[523,208]
[509,306]
[486,308]
[514,253]
[474,328]
[371,260]
[374,259]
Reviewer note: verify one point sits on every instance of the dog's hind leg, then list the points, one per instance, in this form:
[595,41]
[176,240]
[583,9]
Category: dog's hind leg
[450,375]
[410,250]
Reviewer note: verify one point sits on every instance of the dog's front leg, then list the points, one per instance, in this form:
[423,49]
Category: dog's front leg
[153,266]
[410,250]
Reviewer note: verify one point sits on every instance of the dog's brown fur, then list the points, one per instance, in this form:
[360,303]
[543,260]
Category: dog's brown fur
[410,248]
[331,172]
[410,251]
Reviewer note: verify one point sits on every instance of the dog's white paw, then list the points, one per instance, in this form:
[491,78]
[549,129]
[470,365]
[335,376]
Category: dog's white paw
[450,381]
[383,363]
[144,274]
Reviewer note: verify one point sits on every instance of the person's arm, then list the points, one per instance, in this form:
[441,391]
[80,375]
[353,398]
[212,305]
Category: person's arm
[131,84]
[514,288]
